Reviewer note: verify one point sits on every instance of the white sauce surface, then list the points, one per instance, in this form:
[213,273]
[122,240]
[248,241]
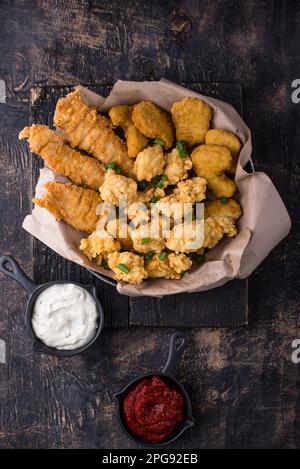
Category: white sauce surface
[65,316]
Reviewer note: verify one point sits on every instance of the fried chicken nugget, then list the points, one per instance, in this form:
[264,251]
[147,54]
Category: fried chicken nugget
[98,245]
[191,117]
[210,162]
[171,267]
[153,122]
[128,267]
[217,209]
[149,163]
[73,204]
[226,139]
[121,117]
[81,169]
[88,130]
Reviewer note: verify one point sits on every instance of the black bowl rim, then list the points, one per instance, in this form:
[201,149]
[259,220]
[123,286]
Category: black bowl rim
[38,345]
[187,423]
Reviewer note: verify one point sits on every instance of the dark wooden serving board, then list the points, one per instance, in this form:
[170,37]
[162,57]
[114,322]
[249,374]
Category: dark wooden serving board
[225,306]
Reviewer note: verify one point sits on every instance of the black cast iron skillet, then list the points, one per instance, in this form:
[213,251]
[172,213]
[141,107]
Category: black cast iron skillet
[10,267]
[167,374]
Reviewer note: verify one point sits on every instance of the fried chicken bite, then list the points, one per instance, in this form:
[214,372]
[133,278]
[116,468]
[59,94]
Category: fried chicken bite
[153,122]
[226,139]
[128,267]
[115,187]
[176,167]
[191,117]
[88,130]
[149,163]
[72,204]
[120,231]
[121,117]
[186,237]
[172,266]
[190,191]
[143,241]
[98,245]
[210,162]
[220,209]
[81,169]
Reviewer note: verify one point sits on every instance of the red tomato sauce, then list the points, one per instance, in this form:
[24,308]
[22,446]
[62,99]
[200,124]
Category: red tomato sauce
[153,409]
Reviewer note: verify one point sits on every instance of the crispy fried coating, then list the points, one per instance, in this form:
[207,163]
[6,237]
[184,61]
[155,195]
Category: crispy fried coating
[120,231]
[81,169]
[190,191]
[153,122]
[72,204]
[231,209]
[98,245]
[226,139]
[143,242]
[134,263]
[176,167]
[115,187]
[121,117]
[88,130]
[149,163]
[186,237]
[191,117]
[210,162]
[171,267]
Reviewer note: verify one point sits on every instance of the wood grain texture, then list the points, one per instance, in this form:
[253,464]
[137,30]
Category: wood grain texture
[244,387]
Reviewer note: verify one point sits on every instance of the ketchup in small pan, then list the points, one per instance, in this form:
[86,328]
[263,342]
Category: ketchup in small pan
[155,410]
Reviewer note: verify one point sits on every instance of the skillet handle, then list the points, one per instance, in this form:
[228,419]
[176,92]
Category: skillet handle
[175,352]
[16,273]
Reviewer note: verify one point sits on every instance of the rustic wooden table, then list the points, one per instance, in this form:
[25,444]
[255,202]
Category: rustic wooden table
[245,388]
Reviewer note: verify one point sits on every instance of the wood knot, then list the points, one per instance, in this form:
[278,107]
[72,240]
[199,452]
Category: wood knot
[180,24]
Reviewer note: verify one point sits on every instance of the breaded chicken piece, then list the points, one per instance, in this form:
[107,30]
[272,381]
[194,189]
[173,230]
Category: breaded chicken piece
[213,233]
[98,245]
[120,231]
[226,139]
[143,241]
[149,163]
[191,117]
[210,162]
[81,169]
[230,209]
[115,187]
[186,237]
[138,213]
[176,167]
[153,122]
[171,267]
[88,130]
[128,267]
[192,190]
[72,204]
[121,117]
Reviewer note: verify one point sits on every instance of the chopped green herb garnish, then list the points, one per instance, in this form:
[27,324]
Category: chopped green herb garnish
[181,147]
[105,265]
[124,268]
[158,141]
[155,199]
[149,255]
[113,165]
[142,185]
[224,200]
[218,174]
[162,255]
[193,216]
[145,240]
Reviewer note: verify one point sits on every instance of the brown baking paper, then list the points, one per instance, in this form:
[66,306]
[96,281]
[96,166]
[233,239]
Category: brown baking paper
[264,223]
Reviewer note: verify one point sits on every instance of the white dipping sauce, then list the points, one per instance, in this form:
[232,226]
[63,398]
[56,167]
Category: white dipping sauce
[65,316]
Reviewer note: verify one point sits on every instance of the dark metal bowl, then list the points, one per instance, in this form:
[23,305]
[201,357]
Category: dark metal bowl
[167,374]
[16,273]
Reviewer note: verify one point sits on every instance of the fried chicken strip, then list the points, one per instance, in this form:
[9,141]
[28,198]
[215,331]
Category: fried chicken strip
[88,130]
[73,204]
[81,169]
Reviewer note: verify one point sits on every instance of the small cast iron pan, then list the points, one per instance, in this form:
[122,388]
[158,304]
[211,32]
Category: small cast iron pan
[167,374]
[16,273]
